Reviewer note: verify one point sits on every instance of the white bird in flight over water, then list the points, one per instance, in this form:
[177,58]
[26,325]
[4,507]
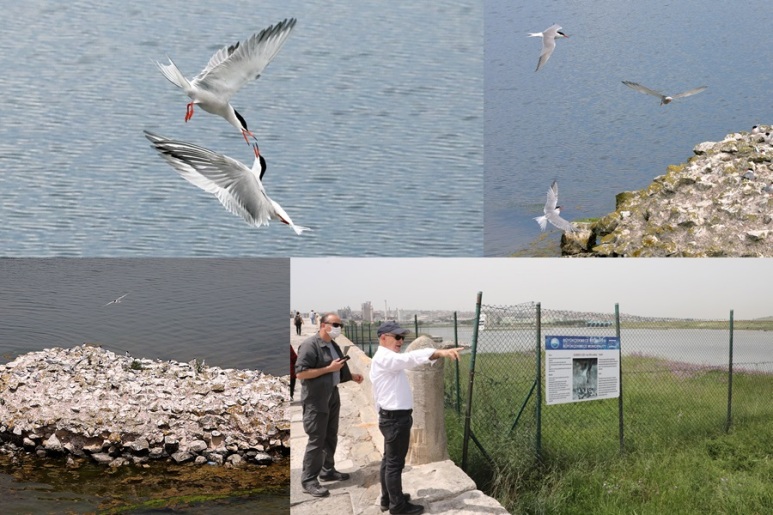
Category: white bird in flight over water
[227,71]
[552,211]
[116,301]
[236,186]
[664,99]
[549,37]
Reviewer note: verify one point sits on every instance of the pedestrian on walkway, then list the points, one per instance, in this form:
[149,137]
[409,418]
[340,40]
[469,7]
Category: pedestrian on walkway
[313,317]
[394,403]
[298,323]
[321,368]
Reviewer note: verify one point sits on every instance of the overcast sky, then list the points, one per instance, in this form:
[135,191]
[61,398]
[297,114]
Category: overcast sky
[689,288]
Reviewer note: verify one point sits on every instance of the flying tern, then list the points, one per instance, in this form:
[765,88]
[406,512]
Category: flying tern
[664,99]
[549,37]
[552,212]
[236,186]
[227,71]
[116,301]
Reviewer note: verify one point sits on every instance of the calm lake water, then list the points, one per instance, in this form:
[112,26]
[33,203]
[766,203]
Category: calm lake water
[575,121]
[229,312]
[752,350]
[370,118]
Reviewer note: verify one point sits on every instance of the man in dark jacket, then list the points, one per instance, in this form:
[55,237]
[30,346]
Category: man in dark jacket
[321,368]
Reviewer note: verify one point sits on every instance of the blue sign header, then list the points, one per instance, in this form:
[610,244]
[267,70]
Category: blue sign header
[582,343]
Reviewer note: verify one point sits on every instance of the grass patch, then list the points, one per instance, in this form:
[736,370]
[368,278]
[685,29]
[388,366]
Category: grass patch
[677,456]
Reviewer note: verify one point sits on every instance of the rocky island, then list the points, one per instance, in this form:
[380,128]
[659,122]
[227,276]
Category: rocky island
[718,203]
[88,403]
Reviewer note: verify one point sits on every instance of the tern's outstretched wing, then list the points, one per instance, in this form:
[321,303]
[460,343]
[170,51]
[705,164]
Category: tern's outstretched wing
[690,92]
[561,223]
[552,200]
[643,89]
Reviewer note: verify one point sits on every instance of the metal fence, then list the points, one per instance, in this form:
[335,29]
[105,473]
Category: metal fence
[679,380]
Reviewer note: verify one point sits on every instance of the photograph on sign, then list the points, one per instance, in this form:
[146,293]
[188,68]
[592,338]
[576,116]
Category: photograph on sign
[585,378]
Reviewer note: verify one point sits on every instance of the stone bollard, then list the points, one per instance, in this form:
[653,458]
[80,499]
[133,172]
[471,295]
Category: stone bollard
[428,436]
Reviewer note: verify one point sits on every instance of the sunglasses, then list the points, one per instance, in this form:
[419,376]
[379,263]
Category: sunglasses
[335,324]
[397,337]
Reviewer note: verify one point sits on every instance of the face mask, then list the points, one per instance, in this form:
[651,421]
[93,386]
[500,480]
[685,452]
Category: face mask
[334,332]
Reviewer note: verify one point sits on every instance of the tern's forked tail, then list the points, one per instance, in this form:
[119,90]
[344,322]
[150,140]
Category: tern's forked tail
[299,229]
[174,75]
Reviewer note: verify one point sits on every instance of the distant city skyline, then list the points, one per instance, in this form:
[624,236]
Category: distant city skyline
[669,288]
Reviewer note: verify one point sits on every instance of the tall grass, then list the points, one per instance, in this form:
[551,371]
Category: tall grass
[676,458]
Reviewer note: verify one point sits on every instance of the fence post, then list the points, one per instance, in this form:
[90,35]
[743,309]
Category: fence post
[620,374]
[456,362]
[538,440]
[466,439]
[416,325]
[730,378]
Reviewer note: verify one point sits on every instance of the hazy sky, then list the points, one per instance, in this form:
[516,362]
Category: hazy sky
[692,288]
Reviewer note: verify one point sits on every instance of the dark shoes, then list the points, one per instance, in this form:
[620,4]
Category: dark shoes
[385,501]
[334,476]
[409,509]
[316,490]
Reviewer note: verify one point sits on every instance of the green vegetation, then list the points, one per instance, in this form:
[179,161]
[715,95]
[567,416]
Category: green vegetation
[136,365]
[677,456]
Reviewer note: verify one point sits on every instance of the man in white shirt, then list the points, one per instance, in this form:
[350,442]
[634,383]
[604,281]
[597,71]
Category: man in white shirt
[394,403]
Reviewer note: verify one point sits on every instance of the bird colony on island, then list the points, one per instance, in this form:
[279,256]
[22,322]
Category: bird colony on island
[238,187]
[90,404]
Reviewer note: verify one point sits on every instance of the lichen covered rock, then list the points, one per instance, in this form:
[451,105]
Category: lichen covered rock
[703,207]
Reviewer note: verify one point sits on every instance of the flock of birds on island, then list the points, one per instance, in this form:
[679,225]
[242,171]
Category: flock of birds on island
[238,187]
[552,210]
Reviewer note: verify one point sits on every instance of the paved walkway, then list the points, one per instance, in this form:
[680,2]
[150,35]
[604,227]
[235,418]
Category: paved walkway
[440,487]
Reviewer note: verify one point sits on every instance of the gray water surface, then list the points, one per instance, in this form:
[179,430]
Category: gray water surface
[576,122]
[370,118]
[231,313]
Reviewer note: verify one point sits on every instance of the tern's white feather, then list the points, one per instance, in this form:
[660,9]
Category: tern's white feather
[118,300]
[552,210]
[549,37]
[664,99]
[228,70]
[236,186]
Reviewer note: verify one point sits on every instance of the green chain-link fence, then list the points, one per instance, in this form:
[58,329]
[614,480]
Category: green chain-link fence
[680,379]
[677,383]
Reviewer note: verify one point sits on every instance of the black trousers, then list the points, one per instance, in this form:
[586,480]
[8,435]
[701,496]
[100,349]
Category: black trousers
[292,386]
[298,329]
[397,436]
[322,429]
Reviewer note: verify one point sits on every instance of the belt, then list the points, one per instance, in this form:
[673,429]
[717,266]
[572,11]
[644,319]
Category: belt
[395,413]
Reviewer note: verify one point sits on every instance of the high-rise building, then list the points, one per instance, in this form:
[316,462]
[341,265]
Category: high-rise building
[367,312]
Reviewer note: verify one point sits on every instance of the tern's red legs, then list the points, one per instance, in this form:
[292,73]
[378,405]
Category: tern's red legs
[189,112]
